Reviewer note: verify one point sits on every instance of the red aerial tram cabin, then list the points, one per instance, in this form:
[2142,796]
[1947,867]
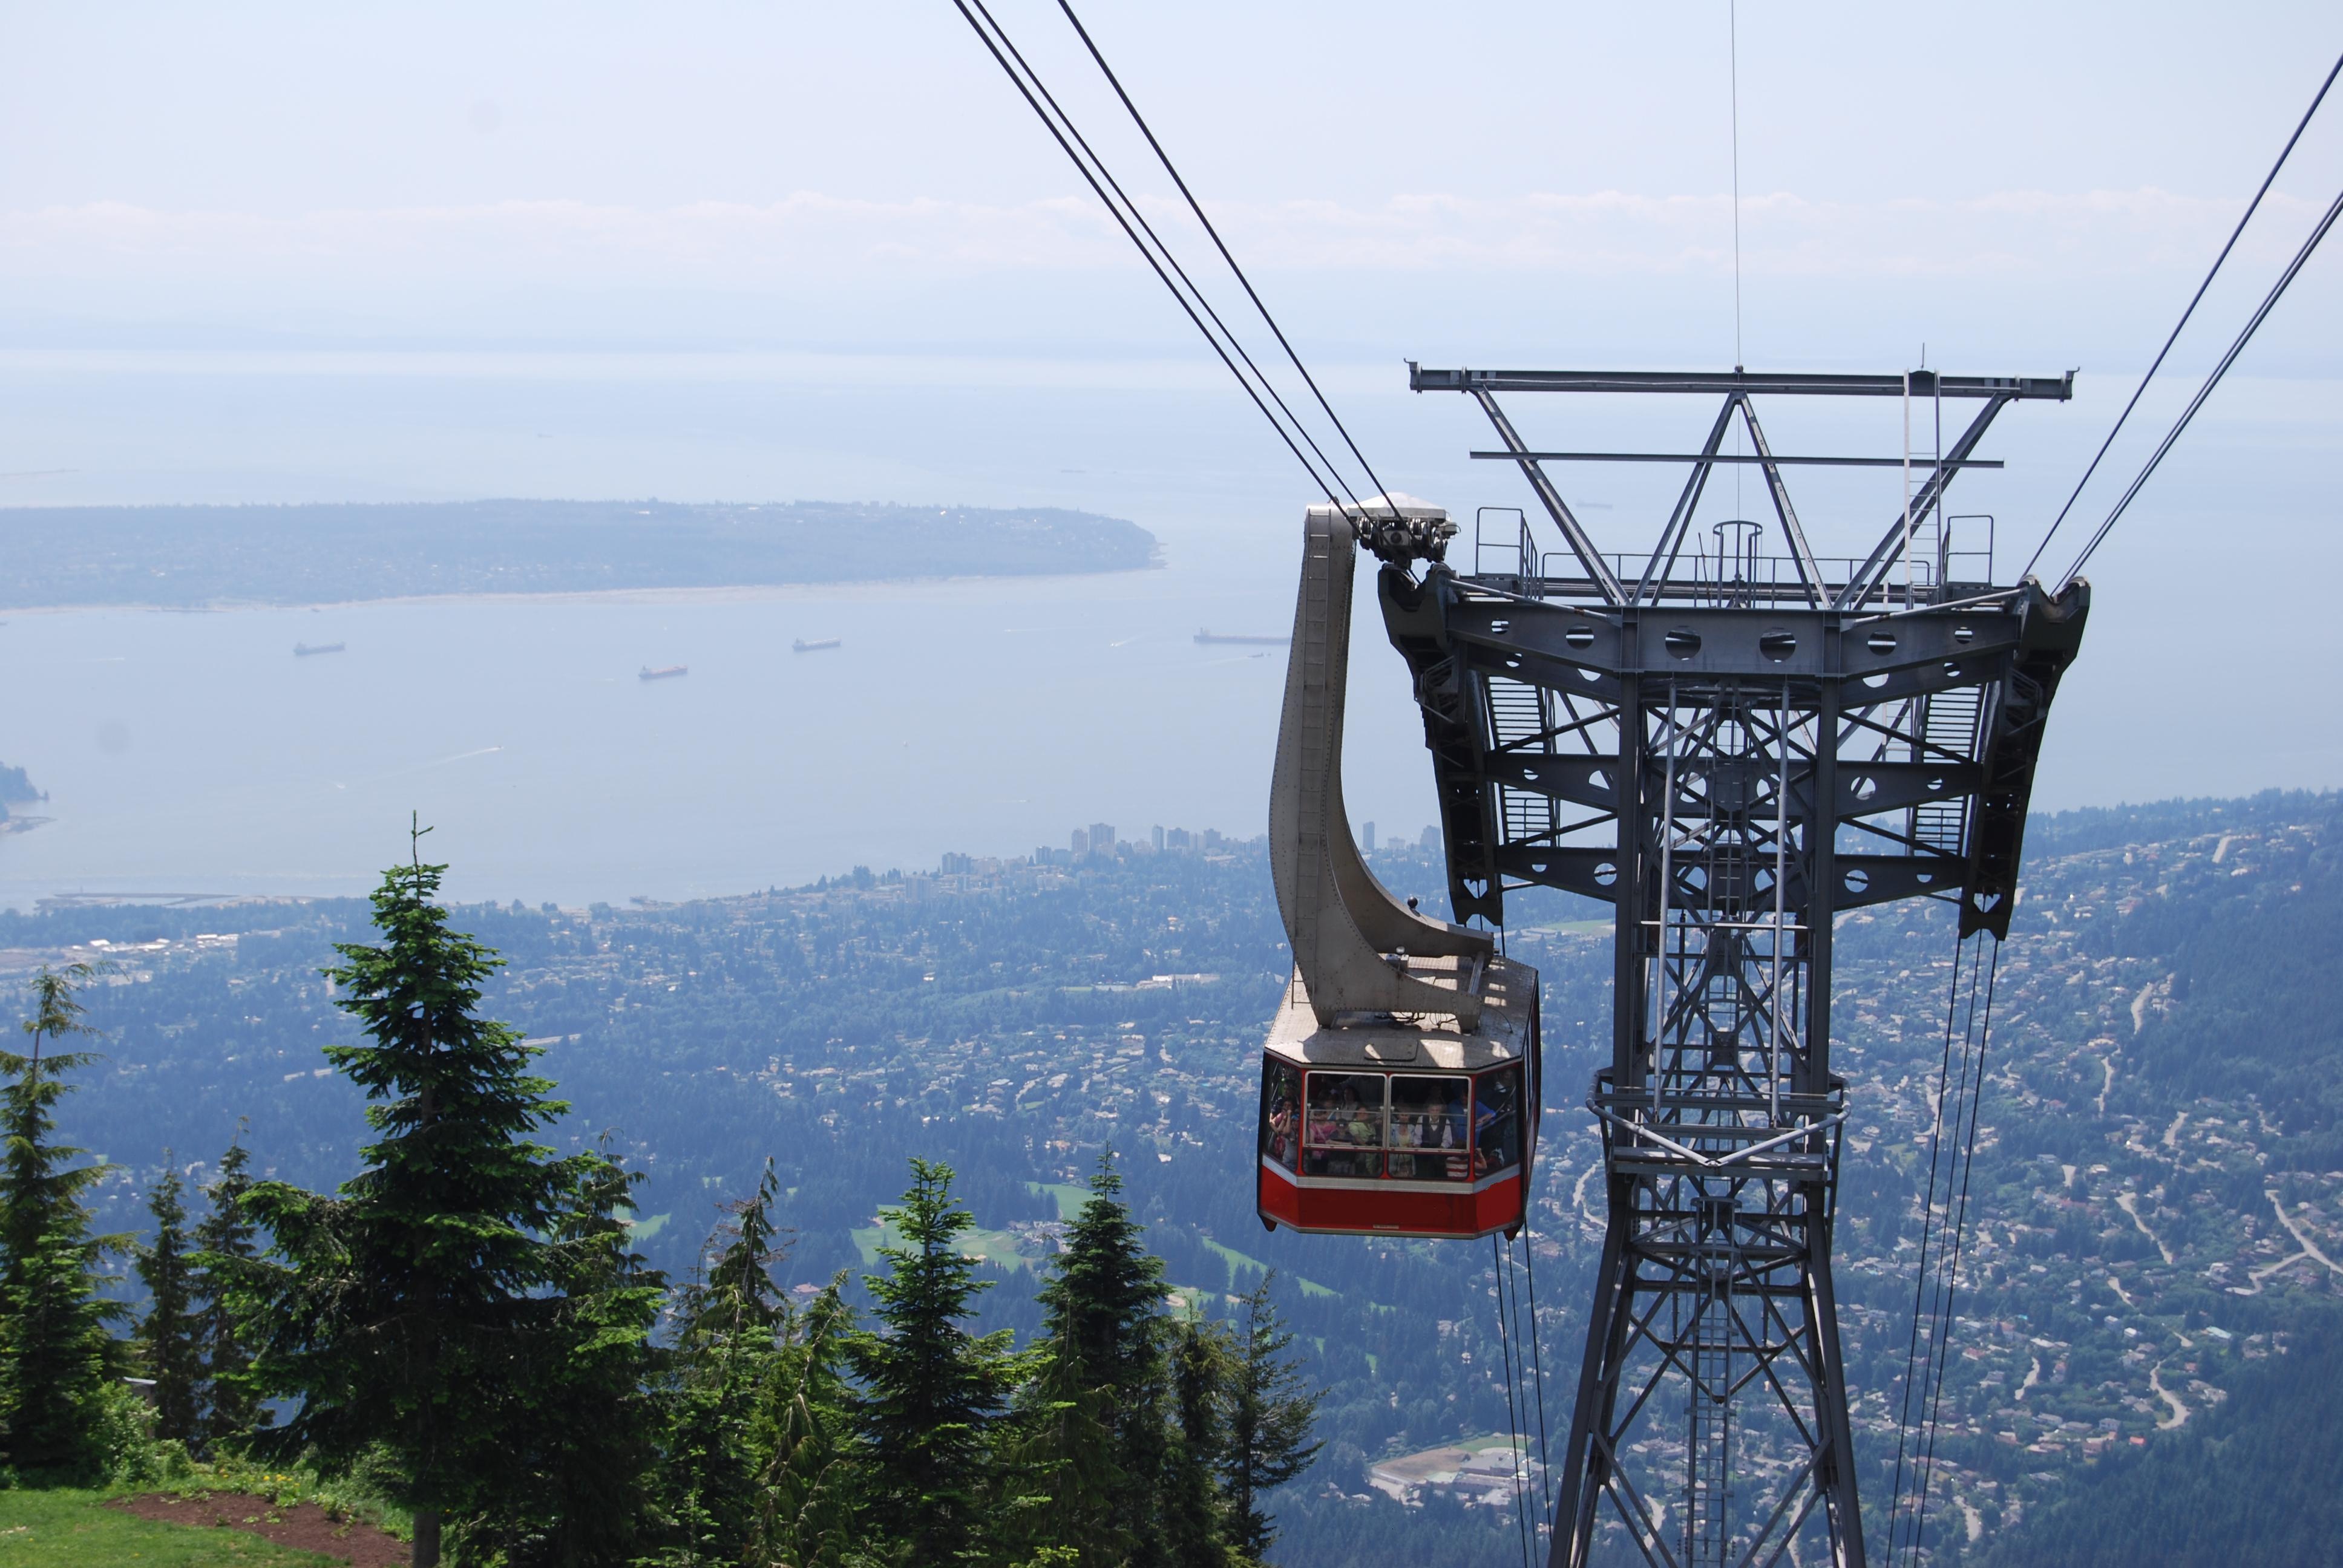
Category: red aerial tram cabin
[1399,1086]
[1407,1126]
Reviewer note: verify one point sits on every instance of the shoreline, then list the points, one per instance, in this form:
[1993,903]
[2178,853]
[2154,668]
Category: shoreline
[2186,815]
[677,594]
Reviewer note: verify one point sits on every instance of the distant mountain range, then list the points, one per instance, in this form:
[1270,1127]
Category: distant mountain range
[186,556]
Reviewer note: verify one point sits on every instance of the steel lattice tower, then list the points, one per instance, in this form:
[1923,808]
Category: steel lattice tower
[1729,747]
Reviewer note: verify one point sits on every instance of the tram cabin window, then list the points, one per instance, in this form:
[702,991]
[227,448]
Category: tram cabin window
[1429,1131]
[1342,1124]
[1281,1113]
[1496,1122]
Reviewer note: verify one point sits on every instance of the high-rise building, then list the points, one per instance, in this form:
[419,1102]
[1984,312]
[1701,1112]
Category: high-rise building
[1081,842]
[1430,842]
[1158,837]
[1367,837]
[1101,836]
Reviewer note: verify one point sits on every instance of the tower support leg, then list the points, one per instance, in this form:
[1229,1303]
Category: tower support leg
[1711,1422]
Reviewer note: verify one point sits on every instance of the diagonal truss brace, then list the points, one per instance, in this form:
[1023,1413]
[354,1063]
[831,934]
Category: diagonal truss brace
[1664,559]
[1866,579]
[1581,544]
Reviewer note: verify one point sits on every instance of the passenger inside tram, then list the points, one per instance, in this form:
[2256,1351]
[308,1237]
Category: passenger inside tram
[1427,1114]
[1282,1118]
[1344,1127]
[1497,1121]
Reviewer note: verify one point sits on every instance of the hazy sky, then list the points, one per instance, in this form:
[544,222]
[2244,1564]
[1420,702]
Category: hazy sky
[2000,179]
[781,250]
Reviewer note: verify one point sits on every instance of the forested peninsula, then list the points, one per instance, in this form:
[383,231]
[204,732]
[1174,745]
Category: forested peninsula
[194,557]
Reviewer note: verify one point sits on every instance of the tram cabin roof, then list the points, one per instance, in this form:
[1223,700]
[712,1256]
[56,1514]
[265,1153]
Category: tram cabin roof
[1428,1041]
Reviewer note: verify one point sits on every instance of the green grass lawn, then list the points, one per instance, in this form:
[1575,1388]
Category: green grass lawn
[992,1246]
[65,1528]
[1070,1196]
[1307,1287]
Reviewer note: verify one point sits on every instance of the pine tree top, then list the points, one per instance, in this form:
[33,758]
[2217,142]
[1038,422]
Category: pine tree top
[455,1099]
[57,1311]
[401,1312]
[40,1187]
[1105,1290]
[226,1232]
[738,1298]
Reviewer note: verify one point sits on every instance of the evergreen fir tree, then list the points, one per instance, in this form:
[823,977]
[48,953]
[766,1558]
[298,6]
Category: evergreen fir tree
[930,1392]
[169,1338]
[1058,1475]
[754,1468]
[1195,1515]
[225,1246]
[1103,1338]
[53,1374]
[1271,1412]
[588,1446]
[410,1309]
[740,1301]
[810,1486]
[726,1367]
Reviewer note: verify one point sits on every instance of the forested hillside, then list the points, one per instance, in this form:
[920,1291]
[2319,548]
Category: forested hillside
[2253,1481]
[2154,1229]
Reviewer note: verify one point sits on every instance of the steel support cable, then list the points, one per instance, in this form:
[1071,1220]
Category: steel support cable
[1920,1277]
[1536,1511]
[1983,1024]
[1733,81]
[1932,1283]
[1523,1505]
[1940,1328]
[1173,260]
[1538,1362]
[2270,301]
[1197,207]
[1318,482]
[1929,1287]
[2251,207]
[1937,1359]
[1525,1356]
[1498,1259]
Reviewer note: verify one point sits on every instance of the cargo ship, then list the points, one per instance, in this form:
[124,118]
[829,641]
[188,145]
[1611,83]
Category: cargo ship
[665,672]
[802,645]
[304,651]
[1226,637]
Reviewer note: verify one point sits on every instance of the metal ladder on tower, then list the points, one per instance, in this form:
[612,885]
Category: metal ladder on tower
[1924,527]
[1948,719]
[1948,731]
[1708,1483]
[1521,719]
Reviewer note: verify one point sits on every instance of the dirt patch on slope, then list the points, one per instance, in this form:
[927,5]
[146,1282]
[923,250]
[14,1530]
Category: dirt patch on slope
[306,1527]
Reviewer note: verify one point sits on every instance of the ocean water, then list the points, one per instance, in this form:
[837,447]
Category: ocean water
[193,754]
